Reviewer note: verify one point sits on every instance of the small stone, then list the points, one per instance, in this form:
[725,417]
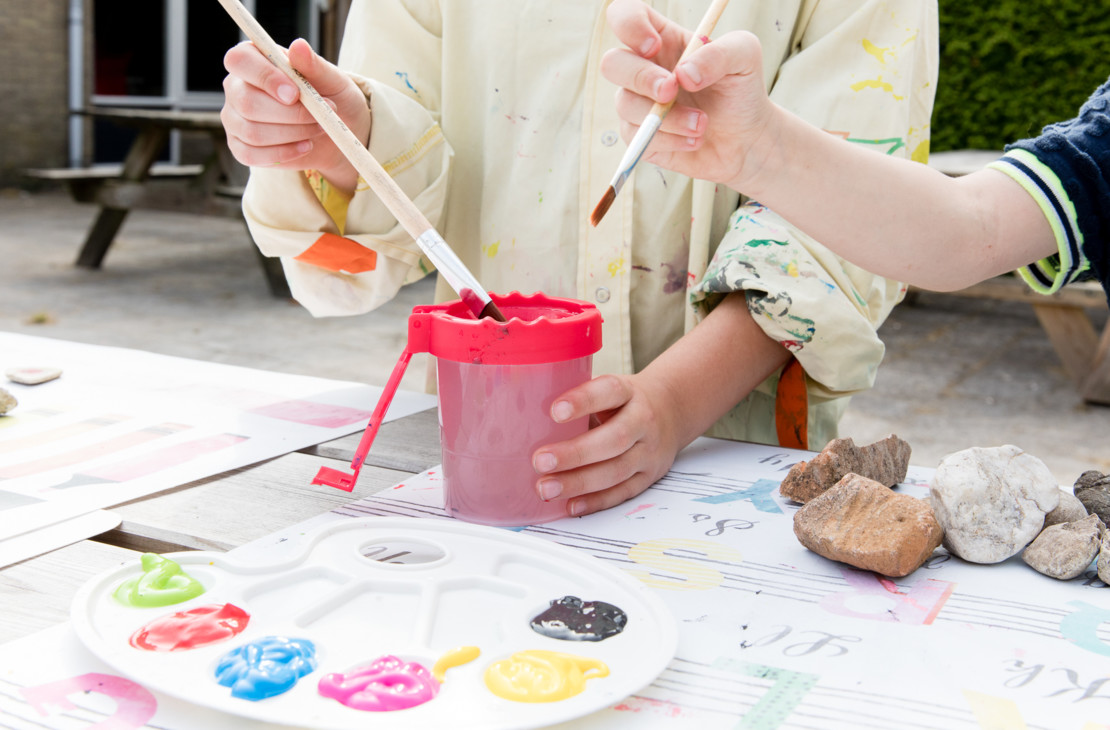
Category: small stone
[7,401]
[863,523]
[884,461]
[991,502]
[32,375]
[1103,564]
[1093,490]
[1064,551]
[1070,509]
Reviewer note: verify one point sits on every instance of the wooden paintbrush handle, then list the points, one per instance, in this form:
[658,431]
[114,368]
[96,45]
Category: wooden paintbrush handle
[700,38]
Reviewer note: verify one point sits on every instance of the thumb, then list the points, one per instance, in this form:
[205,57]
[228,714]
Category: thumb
[736,53]
[324,76]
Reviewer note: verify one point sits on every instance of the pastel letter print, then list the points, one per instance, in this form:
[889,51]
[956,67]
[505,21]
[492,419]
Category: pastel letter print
[920,605]
[784,695]
[1081,627]
[689,573]
[135,705]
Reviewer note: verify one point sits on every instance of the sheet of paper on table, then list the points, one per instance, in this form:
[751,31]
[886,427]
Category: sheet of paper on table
[121,424]
[770,635]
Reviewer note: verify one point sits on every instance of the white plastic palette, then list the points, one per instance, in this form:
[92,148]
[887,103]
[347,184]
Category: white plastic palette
[412,588]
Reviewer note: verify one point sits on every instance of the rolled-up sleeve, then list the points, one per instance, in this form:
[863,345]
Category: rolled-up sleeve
[866,72]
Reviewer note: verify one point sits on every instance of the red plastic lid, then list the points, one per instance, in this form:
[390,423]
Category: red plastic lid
[539,329]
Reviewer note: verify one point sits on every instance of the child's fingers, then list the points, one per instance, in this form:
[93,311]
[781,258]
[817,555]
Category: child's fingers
[611,497]
[735,53]
[636,25]
[639,76]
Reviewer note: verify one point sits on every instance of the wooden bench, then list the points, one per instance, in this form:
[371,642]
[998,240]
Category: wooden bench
[1064,316]
[85,184]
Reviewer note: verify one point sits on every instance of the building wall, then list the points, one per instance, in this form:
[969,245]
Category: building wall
[33,86]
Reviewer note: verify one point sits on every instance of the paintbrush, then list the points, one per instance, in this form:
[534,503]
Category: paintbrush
[654,118]
[408,215]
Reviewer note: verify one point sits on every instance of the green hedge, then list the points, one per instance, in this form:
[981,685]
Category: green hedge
[1008,68]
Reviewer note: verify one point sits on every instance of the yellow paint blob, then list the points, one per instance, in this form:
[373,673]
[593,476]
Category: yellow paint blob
[876,51]
[458,656]
[542,676]
[491,250]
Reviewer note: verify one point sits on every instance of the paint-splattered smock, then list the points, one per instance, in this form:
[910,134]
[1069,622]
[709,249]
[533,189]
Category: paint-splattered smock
[494,118]
[1067,171]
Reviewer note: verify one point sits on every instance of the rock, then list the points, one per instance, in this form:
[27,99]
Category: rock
[884,461]
[1064,551]
[863,523]
[1103,564]
[7,401]
[1070,509]
[1092,488]
[32,376]
[991,502]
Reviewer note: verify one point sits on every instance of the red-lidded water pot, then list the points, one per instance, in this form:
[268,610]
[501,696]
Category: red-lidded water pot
[496,382]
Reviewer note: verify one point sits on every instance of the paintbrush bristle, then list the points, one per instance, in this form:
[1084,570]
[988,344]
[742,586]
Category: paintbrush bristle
[603,206]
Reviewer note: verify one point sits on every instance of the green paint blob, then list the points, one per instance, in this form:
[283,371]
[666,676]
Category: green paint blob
[163,583]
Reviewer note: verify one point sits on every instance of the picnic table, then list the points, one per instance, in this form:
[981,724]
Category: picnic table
[215,187]
[769,635]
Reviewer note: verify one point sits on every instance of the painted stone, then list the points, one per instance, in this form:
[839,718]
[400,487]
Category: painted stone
[884,461]
[863,523]
[32,376]
[1092,488]
[1064,551]
[7,401]
[1070,509]
[991,502]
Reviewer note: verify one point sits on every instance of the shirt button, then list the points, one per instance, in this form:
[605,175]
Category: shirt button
[609,138]
[601,295]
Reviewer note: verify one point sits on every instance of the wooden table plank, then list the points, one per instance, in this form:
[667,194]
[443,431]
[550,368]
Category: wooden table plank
[408,444]
[223,512]
[36,593]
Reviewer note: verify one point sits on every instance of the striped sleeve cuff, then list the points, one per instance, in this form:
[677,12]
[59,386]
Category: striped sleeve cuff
[1048,275]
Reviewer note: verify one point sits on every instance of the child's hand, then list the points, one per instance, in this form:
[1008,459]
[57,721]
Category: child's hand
[722,109]
[634,445]
[268,127]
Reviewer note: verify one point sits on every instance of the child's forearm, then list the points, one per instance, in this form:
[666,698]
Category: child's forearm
[894,217]
[713,367]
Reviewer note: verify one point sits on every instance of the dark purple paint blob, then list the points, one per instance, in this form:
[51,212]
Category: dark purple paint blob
[572,619]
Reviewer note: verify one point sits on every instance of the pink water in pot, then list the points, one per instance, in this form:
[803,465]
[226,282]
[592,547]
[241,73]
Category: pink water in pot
[497,381]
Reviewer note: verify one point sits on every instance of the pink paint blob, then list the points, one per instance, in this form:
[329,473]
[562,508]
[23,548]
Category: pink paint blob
[190,629]
[386,684]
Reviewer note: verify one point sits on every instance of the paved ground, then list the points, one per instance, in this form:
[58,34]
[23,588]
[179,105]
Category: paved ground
[958,372]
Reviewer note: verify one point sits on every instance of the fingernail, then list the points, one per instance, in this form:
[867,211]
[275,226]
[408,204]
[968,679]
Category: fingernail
[646,46]
[305,146]
[657,91]
[287,93]
[692,121]
[561,410]
[544,462]
[550,489]
[692,73]
[576,508]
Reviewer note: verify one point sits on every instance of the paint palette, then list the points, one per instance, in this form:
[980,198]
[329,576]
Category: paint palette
[409,588]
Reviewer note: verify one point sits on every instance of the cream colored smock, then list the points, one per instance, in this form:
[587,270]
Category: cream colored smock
[494,118]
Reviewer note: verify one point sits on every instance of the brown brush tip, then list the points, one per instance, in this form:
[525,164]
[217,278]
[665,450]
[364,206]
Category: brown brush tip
[491,310]
[603,206]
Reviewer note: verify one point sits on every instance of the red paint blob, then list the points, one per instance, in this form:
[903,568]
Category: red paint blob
[189,629]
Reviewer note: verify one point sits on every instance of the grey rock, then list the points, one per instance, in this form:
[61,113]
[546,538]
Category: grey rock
[863,523]
[885,462]
[1070,509]
[1093,490]
[1103,564]
[1064,551]
[991,502]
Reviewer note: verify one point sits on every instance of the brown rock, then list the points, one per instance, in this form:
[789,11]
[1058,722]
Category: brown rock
[1070,509]
[884,461]
[7,401]
[862,523]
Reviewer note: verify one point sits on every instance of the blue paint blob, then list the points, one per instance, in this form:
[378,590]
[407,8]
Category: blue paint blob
[266,667]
